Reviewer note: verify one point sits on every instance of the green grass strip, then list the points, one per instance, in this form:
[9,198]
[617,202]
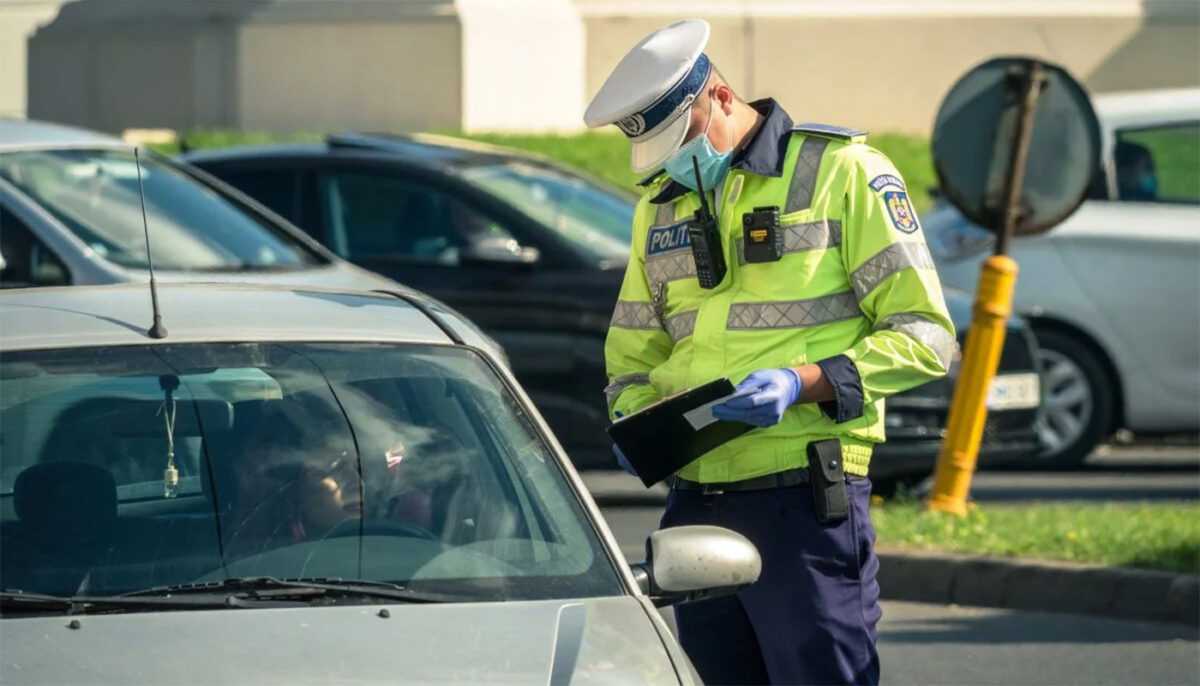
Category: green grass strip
[1144,535]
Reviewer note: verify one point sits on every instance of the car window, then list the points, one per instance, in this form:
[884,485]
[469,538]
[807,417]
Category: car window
[374,215]
[136,467]
[1160,164]
[26,260]
[95,194]
[595,220]
[278,189]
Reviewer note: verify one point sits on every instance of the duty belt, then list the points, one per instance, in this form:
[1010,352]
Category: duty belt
[784,479]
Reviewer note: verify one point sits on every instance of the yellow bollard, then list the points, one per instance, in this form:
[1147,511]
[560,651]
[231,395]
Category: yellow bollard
[968,411]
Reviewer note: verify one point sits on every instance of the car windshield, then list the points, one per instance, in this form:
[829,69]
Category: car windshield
[94,193]
[595,219]
[129,468]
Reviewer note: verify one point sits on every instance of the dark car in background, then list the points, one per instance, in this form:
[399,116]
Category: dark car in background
[534,253]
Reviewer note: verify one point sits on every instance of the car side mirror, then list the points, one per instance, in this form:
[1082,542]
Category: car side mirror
[498,251]
[3,263]
[687,563]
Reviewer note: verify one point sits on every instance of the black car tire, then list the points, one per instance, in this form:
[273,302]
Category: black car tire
[1077,400]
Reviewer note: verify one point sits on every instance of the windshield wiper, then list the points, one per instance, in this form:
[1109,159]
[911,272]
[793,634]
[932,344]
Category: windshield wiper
[23,601]
[274,588]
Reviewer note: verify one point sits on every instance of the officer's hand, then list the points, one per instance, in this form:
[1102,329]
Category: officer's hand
[775,390]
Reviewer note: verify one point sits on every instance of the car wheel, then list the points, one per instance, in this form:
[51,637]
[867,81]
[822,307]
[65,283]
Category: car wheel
[1077,400]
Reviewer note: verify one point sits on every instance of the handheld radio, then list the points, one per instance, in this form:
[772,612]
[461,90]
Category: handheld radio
[706,240]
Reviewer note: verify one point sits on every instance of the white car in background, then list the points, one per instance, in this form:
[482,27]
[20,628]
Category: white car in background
[1112,293]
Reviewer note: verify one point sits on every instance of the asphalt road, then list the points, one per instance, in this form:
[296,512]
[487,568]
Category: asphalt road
[937,644]
[1111,474]
[934,644]
[931,645]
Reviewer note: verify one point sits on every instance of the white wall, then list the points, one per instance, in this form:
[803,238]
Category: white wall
[18,20]
[884,65]
[523,65]
[532,65]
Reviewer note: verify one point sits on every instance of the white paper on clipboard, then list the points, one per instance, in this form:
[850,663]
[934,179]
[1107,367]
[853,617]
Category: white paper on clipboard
[702,416]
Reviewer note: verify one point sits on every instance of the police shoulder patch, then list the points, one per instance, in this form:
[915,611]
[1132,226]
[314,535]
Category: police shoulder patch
[840,133]
[886,180]
[900,211]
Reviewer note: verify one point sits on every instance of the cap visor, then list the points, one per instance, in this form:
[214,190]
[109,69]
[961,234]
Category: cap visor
[651,152]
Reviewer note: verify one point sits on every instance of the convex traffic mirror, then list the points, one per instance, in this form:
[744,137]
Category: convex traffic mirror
[975,142]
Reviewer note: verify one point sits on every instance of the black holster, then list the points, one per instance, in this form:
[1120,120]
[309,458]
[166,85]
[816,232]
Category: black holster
[828,478]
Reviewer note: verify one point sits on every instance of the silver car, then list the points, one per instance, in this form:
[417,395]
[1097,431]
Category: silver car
[72,215]
[306,487]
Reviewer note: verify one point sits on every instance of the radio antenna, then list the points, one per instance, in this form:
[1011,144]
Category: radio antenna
[703,214]
[158,330]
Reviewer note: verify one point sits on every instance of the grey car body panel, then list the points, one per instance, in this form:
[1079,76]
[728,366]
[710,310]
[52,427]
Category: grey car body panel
[70,317]
[467,643]
[623,639]
[24,132]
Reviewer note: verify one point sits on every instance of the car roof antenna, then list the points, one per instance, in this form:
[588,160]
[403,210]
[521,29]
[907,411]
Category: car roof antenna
[157,330]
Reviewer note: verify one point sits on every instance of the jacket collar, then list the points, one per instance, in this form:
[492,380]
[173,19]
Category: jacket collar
[763,155]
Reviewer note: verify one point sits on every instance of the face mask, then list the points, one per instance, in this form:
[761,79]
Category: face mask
[713,164]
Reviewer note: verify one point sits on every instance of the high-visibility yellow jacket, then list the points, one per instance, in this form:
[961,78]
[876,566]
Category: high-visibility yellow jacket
[855,292]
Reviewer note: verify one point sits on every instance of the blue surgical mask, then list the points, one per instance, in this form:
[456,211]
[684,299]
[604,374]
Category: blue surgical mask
[713,164]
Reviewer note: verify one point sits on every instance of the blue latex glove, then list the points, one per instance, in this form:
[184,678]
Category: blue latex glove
[621,459]
[775,390]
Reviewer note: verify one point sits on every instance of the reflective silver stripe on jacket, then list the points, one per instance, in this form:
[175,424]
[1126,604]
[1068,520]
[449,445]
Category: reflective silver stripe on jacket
[804,175]
[818,235]
[664,215]
[932,334]
[680,326]
[635,315]
[793,313]
[618,385]
[888,261]
[664,267]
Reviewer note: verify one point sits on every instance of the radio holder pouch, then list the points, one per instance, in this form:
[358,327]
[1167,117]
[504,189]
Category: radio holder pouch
[828,478]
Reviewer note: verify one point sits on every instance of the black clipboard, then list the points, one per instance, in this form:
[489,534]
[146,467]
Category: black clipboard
[659,440]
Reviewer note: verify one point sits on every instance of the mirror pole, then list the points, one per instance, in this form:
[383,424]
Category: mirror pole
[985,340]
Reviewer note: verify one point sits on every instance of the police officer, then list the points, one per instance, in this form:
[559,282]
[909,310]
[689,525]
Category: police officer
[826,303]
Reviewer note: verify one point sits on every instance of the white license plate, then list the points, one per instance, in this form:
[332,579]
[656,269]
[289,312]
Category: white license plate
[1013,392]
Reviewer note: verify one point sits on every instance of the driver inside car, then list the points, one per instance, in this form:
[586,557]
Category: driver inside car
[294,496]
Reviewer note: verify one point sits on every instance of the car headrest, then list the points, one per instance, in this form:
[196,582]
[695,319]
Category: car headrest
[66,492]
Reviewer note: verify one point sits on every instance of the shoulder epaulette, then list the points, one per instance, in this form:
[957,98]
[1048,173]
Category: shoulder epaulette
[650,179]
[840,133]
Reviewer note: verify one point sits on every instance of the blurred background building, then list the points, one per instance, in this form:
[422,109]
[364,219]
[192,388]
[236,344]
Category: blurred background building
[531,65]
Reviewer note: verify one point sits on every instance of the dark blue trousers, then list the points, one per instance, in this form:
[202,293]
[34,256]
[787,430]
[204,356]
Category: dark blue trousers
[810,618]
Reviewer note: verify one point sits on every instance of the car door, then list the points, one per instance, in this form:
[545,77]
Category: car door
[417,233]
[1139,263]
[279,186]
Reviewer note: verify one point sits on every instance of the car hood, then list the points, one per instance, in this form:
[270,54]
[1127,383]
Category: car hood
[596,641]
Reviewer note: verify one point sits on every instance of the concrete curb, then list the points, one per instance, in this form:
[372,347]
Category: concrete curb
[1039,585]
